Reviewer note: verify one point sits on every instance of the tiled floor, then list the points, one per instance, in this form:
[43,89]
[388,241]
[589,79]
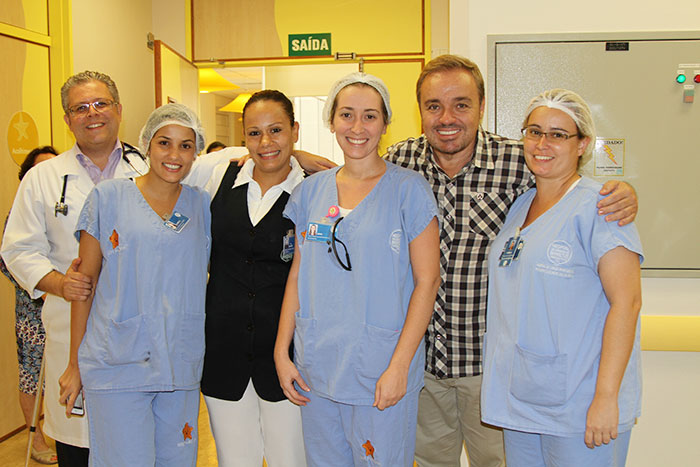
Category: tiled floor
[13,450]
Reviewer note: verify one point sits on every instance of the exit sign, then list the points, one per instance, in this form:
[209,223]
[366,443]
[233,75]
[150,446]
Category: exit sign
[305,45]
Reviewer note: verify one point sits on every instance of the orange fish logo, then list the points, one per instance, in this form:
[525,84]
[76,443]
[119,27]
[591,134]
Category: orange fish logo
[114,238]
[369,449]
[187,432]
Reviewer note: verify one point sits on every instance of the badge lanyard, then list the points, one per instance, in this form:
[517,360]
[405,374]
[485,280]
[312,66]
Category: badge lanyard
[511,250]
[320,231]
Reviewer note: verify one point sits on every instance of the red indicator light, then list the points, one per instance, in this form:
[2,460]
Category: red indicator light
[697,78]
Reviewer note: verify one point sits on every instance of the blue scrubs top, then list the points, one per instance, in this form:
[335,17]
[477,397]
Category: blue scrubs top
[145,330]
[546,315]
[349,322]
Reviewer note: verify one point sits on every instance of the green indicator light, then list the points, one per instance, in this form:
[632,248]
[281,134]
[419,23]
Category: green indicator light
[680,79]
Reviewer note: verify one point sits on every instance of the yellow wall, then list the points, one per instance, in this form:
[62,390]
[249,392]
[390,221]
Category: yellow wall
[61,63]
[240,29]
[171,23]
[111,37]
[179,79]
[31,15]
[400,78]
[362,26]
[232,30]
[24,87]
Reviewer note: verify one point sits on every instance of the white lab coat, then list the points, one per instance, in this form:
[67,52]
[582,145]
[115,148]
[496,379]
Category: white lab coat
[36,242]
[203,167]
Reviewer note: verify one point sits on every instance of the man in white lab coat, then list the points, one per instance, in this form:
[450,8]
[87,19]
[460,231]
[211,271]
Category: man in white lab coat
[39,243]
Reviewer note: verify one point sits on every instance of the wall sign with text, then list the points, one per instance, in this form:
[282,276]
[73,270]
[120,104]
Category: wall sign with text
[305,45]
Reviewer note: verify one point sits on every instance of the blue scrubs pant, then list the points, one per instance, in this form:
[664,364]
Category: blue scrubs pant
[359,435]
[537,450]
[143,428]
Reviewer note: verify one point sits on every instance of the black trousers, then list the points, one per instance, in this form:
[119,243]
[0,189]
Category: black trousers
[71,456]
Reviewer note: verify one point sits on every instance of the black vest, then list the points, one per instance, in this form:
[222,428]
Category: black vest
[244,295]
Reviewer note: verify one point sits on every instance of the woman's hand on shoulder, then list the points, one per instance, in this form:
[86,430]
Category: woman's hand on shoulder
[288,375]
[391,387]
[601,421]
[312,163]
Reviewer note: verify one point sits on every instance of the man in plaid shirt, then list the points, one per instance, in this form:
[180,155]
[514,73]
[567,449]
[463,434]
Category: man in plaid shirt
[476,176]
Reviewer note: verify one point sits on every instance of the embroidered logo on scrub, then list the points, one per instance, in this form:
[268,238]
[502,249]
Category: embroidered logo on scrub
[114,238]
[187,432]
[369,449]
[559,252]
[395,240]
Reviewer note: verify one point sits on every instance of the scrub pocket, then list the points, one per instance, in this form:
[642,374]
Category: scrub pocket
[538,379]
[191,337]
[304,341]
[128,342]
[377,345]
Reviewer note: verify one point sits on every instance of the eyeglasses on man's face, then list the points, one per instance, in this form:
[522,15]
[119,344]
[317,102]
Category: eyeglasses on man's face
[535,134]
[335,241]
[98,106]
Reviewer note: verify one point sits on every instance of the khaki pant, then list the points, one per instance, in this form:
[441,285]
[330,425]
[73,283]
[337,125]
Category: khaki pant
[449,414]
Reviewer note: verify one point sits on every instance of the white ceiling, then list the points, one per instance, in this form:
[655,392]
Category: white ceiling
[250,79]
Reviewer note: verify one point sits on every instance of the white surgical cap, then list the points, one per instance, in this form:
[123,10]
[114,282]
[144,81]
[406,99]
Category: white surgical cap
[171,114]
[354,78]
[572,105]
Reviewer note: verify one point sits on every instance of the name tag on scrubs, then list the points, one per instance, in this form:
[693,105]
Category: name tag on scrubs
[287,246]
[318,232]
[177,222]
[511,251]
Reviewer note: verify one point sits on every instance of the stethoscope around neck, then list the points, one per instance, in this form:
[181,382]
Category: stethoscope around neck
[127,150]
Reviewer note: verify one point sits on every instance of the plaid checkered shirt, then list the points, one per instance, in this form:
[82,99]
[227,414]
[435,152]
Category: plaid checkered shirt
[473,206]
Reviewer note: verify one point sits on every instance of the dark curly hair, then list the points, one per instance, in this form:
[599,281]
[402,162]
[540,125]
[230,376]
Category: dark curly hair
[31,158]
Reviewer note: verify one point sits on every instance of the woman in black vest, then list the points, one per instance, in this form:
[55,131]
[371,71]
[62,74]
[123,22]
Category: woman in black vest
[252,249]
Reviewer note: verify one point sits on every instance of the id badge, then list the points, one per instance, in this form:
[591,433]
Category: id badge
[288,246]
[177,222]
[511,251]
[318,232]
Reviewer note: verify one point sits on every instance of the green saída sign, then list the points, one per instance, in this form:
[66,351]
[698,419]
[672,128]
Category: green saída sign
[305,45]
